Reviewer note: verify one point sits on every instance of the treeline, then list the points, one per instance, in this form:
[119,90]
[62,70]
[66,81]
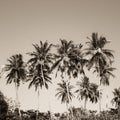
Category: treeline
[70,60]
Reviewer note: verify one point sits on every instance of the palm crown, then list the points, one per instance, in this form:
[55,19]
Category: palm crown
[99,56]
[69,59]
[39,65]
[87,90]
[84,89]
[16,69]
[64,92]
[105,74]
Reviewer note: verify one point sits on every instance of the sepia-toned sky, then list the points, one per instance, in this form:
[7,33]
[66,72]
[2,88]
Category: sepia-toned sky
[24,22]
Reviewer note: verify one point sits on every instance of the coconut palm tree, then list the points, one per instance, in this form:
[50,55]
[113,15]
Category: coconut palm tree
[62,57]
[87,91]
[16,72]
[97,52]
[94,96]
[77,61]
[39,66]
[65,92]
[105,74]
[83,90]
[100,58]
[69,59]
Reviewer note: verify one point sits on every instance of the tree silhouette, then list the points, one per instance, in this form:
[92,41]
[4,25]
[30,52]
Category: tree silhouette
[3,107]
[39,66]
[65,93]
[16,72]
[87,91]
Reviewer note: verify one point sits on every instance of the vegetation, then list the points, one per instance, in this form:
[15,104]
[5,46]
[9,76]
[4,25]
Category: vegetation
[87,91]
[3,107]
[71,61]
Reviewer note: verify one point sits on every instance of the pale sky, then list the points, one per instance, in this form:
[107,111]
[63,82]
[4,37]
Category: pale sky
[24,22]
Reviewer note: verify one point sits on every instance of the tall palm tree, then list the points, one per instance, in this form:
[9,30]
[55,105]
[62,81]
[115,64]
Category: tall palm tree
[65,92]
[87,91]
[39,66]
[16,72]
[100,57]
[105,74]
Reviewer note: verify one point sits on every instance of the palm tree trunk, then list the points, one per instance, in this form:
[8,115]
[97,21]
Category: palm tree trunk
[99,98]
[37,114]
[42,74]
[72,116]
[67,111]
[69,104]
[85,102]
[17,101]
[99,103]
[118,111]
[50,111]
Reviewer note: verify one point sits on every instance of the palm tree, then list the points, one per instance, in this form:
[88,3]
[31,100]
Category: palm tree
[62,57]
[16,72]
[69,59]
[77,61]
[105,74]
[94,96]
[97,53]
[100,58]
[87,91]
[39,66]
[116,99]
[65,92]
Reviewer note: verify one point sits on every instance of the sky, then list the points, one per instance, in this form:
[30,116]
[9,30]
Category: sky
[25,22]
